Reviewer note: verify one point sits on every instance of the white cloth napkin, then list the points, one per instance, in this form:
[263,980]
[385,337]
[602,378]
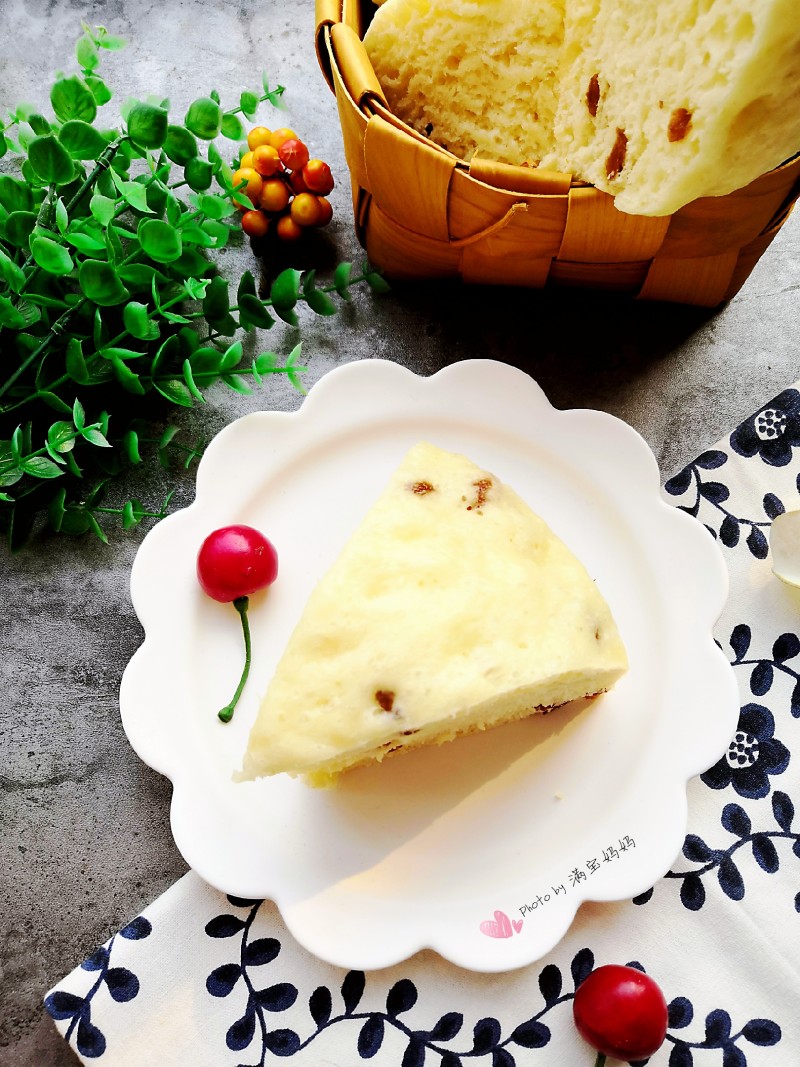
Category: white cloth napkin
[204,980]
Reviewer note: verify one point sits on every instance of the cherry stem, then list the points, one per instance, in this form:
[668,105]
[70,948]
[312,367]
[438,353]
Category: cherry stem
[601,1060]
[241,604]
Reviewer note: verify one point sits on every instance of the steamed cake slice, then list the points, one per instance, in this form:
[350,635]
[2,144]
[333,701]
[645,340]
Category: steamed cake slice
[474,75]
[452,608]
[662,103]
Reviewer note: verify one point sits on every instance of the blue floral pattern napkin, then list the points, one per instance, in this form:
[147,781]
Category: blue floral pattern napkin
[204,980]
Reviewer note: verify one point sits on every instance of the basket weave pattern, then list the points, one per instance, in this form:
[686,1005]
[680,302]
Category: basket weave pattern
[421,212]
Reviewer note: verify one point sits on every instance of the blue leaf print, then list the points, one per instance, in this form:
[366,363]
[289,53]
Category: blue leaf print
[222,979]
[282,1042]
[733,1056]
[680,1012]
[729,532]
[241,1033]
[370,1037]
[278,997]
[757,543]
[681,1056]
[320,1005]
[783,810]
[643,897]
[90,1041]
[711,459]
[401,997]
[715,492]
[736,820]
[62,1005]
[448,1026]
[138,929]
[696,850]
[550,983]
[718,1028]
[730,879]
[486,1035]
[761,678]
[122,984]
[582,966]
[773,506]
[262,950]
[693,894]
[97,961]
[762,1032]
[765,854]
[787,646]
[797,902]
[795,701]
[502,1058]
[352,990]
[740,640]
[531,1034]
[450,1059]
[225,926]
[414,1055]
[680,482]
[242,902]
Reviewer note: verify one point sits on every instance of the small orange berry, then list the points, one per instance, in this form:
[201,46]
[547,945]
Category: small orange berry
[266,160]
[247,160]
[277,137]
[305,209]
[255,223]
[325,211]
[274,195]
[317,176]
[254,182]
[297,183]
[287,229]
[258,135]
[294,154]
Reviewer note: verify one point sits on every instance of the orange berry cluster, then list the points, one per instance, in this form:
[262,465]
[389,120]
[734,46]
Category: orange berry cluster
[287,189]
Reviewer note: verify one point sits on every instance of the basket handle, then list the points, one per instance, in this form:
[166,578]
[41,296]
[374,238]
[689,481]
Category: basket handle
[328,13]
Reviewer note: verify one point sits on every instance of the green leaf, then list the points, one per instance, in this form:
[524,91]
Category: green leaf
[81,140]
[99,90]
[28,312]
[190,382]
[41,467]
[103,208]
[159,240]
[147,125]
[55,402]
[231,128]
[78,415]
[127,378]
[320,303]
[55,510]
[218,232]
[62,218]
[233,381]
[195,288]
[377,283]
[61,437]
[129,517]
[284,294]
[273,95]
[170,347]
[174,210]
[73,99]
[130,445]
[39,124]
[176,390]
[216,302]
[114,352]
[51,161]
[133,193]
[12,275]
[247,285]
[140,276]
[214,207]
[113,246]
[252,310]
[204,118]
[9,316]
[341,280]
[138,322]
[15,195]
[4,147]
[192,233]
[206,360]
[19,226]
[51,256]
[75,363]
[100,283]
[86,53]
[180,145]
[248,102]
[107,40]
[198,174]
[232,357]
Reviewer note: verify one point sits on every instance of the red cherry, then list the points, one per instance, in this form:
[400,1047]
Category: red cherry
[236,561]
[621,1012]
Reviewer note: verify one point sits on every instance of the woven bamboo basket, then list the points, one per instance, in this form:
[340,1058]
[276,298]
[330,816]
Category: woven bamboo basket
[421,212]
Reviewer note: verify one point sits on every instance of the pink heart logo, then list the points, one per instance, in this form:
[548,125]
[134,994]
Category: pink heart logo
[517,924]
[500,926]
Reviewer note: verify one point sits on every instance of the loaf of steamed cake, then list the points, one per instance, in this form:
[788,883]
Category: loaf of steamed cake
[657,102]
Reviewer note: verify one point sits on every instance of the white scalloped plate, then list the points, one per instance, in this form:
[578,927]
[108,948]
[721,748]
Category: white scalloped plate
[482,849]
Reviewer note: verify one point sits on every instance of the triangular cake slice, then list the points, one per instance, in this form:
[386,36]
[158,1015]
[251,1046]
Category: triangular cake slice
[452,608]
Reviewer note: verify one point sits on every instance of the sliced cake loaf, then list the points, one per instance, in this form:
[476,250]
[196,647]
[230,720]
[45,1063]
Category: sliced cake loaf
[452,608]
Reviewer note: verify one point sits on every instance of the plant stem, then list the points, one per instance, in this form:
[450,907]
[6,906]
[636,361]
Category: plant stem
[57,328]
[241,604]
[601,1060]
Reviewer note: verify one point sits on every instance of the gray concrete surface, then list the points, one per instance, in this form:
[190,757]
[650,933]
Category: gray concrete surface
[85,837]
